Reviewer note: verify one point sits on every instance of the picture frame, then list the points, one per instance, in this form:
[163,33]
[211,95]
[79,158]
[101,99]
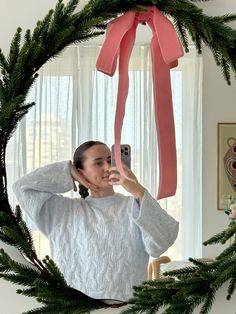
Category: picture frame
[226,165]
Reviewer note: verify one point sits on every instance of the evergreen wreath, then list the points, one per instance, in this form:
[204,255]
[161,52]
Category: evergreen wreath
[182,290]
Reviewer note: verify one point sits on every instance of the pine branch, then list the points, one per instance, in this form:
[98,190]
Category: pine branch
[182,272]
[16,279]
[231,288]
[204,266]
[224,274]
[226,69]
[54,309]
[181,31]
[14,50]
[223,236]
[50,290]
[228,252]
[30,292]
[70,8]
[54,271]
[17,239]
[9,265]
[41,30]
[27,37]
[208,302]
[9,117]
[213,31]
[3,63]
[19,228]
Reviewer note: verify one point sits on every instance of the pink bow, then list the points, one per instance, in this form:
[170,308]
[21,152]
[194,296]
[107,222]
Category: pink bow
[165,49]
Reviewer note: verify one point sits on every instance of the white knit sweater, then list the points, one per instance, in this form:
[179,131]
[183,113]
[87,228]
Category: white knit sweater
[101,245]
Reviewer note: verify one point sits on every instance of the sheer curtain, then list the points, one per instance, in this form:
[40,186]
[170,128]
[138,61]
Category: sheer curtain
[75,103]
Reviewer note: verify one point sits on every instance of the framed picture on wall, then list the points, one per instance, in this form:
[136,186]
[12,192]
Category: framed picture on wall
[226,164]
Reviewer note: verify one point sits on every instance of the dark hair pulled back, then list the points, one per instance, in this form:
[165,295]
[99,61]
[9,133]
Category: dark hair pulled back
[78,160]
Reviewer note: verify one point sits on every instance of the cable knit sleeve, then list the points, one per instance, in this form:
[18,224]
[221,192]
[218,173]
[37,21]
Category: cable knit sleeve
[37,194]
[159,230]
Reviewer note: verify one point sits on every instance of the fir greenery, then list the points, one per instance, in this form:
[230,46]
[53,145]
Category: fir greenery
[182,290]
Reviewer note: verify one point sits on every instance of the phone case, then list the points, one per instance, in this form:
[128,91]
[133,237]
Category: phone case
[125,150]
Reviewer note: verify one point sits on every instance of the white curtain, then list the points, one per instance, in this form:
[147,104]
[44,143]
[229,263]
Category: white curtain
[191,218]
[75,103]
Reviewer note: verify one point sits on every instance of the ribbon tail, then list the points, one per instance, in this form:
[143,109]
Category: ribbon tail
[123,87]
[164,123]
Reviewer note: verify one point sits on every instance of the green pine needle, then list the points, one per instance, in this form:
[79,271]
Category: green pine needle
[14,50]
[231,288]
[54,270]
[208,302]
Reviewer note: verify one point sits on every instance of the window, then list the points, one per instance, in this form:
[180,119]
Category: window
[75,103]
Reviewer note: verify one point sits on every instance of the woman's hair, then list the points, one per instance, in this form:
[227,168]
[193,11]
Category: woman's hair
[78,161]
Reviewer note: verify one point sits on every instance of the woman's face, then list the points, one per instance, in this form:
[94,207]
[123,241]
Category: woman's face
[97,162]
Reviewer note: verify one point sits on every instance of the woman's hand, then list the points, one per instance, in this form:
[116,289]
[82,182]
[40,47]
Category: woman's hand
[77,176]
[132,186]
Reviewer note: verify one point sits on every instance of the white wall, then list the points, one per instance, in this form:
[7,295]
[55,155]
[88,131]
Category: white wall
[219,105]
[25,14]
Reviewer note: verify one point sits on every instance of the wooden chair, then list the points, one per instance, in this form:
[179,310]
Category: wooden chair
[154,267]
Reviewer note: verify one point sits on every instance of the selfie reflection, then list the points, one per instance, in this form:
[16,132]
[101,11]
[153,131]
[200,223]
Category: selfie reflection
[73,109]
[102,239]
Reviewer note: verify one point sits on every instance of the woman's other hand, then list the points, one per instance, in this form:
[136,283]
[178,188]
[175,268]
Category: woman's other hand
[77,176]
[132,186]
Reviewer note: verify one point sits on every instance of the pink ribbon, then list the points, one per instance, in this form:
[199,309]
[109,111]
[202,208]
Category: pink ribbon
[165,50]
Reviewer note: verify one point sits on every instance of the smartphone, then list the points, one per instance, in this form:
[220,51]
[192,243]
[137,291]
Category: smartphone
[125,151]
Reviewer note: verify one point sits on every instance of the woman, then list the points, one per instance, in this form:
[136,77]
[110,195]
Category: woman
[102,241]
